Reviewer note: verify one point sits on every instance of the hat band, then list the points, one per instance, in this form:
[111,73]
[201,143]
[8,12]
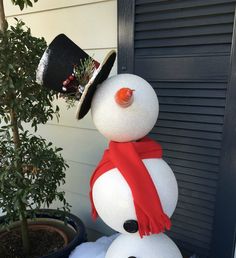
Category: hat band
[74,84]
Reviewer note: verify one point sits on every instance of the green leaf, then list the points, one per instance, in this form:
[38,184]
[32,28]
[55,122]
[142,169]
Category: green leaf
[21,4]
[29,3]
[58,149]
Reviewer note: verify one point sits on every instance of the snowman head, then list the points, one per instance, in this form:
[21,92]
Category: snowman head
[125,108]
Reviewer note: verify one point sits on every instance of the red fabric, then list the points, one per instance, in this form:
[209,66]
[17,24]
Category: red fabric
[127,157]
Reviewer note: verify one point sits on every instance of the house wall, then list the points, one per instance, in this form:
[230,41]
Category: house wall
[92,24]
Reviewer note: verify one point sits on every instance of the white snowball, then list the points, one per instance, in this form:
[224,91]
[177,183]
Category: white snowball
[113,198]
[125,124]
[93,249]
[154,246]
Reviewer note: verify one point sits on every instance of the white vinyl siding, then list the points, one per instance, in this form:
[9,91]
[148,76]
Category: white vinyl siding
[92,24]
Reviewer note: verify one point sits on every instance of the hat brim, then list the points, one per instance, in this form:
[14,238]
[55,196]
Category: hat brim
[99,76]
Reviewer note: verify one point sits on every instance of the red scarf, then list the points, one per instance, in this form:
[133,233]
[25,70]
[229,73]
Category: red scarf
[127,158]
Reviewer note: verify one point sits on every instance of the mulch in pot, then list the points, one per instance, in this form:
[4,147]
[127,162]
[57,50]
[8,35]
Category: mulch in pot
[42,243]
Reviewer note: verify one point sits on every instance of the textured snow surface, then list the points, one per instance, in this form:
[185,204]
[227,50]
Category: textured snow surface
[96,249]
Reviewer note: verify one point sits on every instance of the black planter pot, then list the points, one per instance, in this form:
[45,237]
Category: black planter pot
[74,229]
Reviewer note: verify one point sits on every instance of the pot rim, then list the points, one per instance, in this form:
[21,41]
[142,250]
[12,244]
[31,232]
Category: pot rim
[72,220]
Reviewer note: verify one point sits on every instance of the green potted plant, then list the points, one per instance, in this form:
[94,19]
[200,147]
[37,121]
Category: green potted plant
[31,170]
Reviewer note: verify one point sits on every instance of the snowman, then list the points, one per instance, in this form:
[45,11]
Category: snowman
[133,190]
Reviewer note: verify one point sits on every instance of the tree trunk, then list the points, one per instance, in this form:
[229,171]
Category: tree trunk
[24,230]
[22,208]
[2,16]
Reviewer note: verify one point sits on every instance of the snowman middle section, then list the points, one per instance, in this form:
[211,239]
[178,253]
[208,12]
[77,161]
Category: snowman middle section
[113,198]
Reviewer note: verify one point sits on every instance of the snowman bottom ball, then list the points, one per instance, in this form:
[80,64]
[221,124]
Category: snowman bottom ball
[153,246]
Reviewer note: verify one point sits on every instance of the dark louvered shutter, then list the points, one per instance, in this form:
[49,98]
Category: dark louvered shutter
[182,47]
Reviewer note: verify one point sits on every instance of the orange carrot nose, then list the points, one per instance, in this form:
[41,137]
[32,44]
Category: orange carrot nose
[124,97]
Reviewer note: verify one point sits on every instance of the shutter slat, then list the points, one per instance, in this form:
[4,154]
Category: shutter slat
[181,86]
[186,23]
[139,2]
[186,133]
[154,6]
[194,230]
[185,32]
[193,93]
[190,126]
[185,41]
[197,180]
[185,50]
[191,118]
[185,68]
[191,249]
[191,233]
[197,187]
[218,111]
[191,149]
[201,174]
[207,102]
[189,156]
[189,141]
[196,205]
[184,12]
[197,195]
[175,218]
[171,160]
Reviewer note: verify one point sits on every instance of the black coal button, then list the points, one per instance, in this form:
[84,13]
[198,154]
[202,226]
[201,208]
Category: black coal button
[131,226]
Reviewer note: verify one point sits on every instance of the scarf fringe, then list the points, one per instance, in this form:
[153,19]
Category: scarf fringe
[149,226]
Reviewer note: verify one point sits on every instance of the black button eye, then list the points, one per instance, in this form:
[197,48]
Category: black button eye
[130,226]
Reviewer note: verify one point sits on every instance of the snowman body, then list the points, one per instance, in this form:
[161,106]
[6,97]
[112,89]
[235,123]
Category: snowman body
[113,198]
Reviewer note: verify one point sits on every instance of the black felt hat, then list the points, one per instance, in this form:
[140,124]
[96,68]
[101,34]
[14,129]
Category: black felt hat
[56,71]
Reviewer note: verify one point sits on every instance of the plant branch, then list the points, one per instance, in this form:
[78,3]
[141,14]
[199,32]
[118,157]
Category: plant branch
[15,130]
[2,16]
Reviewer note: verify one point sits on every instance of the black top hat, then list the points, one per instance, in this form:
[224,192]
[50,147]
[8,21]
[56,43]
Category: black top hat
[57,67]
